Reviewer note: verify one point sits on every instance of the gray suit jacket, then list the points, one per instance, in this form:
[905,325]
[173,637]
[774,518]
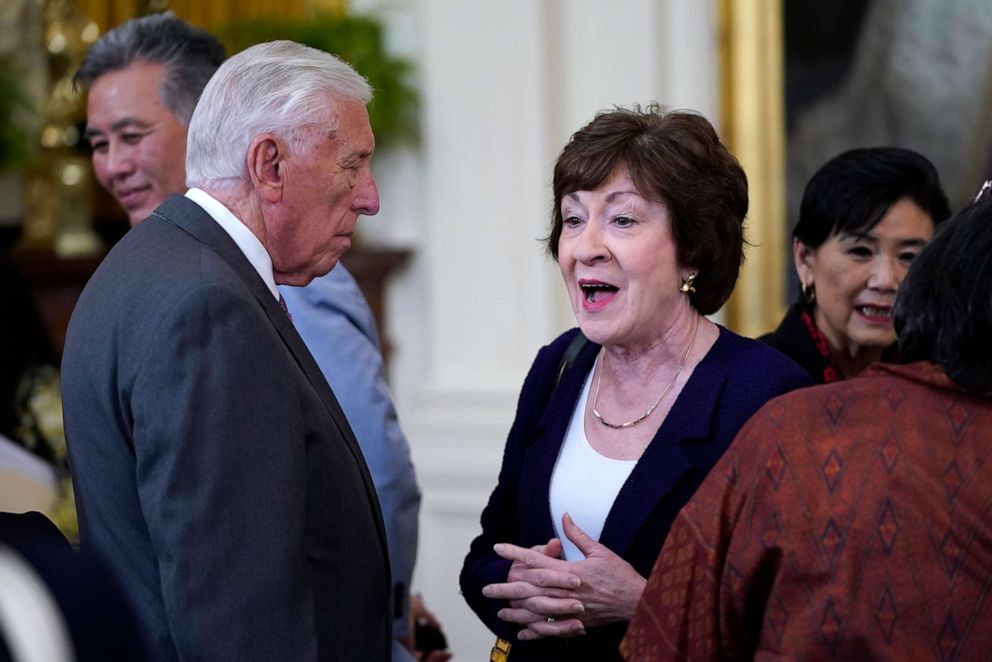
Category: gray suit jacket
[213,467]
[336,324]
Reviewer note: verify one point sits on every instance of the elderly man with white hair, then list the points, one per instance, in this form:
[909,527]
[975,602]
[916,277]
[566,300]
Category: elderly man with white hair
[213,466]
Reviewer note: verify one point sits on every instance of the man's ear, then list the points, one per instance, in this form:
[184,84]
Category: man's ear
[266,154]
[803,257]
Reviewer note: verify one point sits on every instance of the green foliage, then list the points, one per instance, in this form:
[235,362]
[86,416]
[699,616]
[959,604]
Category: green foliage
[357,40]
[15,140]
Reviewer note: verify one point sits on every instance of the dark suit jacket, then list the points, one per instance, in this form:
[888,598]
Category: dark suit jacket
[734,379]
[213,467]
[792,339]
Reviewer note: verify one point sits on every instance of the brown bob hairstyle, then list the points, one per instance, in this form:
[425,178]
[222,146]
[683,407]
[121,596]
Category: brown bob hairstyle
[674,158]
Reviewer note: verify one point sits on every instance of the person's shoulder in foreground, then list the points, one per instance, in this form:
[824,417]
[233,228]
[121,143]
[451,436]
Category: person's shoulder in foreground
[60,600]
[832,516]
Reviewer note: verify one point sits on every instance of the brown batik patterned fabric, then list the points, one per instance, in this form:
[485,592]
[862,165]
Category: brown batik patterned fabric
[847,521]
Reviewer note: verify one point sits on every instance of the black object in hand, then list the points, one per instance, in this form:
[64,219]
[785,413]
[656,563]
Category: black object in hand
[429,638]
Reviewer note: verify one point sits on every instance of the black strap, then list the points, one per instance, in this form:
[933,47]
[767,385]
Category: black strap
[568,358]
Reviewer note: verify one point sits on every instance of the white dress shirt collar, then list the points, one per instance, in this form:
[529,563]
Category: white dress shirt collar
[242,236]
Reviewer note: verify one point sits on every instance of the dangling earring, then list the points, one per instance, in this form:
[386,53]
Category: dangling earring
[687,284]
[809,294]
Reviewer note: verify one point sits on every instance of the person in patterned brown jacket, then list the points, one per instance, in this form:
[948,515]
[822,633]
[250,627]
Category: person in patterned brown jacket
[852,520]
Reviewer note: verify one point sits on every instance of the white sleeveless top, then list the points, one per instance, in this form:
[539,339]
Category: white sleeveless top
[584,483]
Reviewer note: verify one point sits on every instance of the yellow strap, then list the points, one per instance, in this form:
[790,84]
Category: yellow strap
[500,652]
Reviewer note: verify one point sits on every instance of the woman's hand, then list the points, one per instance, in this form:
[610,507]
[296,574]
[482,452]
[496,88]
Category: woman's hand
[608,590]
[538,588]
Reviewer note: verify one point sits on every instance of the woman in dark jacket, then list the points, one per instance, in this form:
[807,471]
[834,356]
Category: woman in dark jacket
[604,451]
[864,216]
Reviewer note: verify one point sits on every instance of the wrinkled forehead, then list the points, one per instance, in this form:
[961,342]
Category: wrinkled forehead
[352,129]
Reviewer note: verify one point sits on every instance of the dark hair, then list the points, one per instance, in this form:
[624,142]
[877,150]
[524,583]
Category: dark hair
[853,191]
[943,312]
[677,159]
[190,57]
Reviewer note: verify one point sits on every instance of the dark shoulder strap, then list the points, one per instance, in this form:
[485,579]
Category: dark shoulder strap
[568,358]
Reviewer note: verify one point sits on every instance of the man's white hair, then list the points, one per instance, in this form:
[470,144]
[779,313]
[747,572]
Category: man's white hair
[279,87]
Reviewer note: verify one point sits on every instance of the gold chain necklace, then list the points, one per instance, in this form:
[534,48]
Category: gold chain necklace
[630,424]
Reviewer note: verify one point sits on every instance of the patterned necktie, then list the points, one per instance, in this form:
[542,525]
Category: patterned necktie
[285,308]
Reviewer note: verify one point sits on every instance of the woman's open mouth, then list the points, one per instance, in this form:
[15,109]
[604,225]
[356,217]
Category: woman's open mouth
[875,314]
[596,294]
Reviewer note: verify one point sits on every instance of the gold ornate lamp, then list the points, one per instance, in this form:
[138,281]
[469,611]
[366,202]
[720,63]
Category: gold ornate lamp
[58,187]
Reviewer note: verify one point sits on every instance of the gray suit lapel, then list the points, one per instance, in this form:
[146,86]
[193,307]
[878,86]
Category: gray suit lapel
[192,219]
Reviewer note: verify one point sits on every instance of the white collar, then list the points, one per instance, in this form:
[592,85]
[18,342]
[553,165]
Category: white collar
[239,232]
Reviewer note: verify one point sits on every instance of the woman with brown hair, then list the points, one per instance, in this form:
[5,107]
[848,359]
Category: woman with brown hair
[614,434]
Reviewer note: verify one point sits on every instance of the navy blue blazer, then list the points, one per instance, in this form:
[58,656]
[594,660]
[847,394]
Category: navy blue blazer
[735,378]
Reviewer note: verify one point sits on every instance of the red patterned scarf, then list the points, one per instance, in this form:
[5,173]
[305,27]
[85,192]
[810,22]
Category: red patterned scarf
[830,373]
